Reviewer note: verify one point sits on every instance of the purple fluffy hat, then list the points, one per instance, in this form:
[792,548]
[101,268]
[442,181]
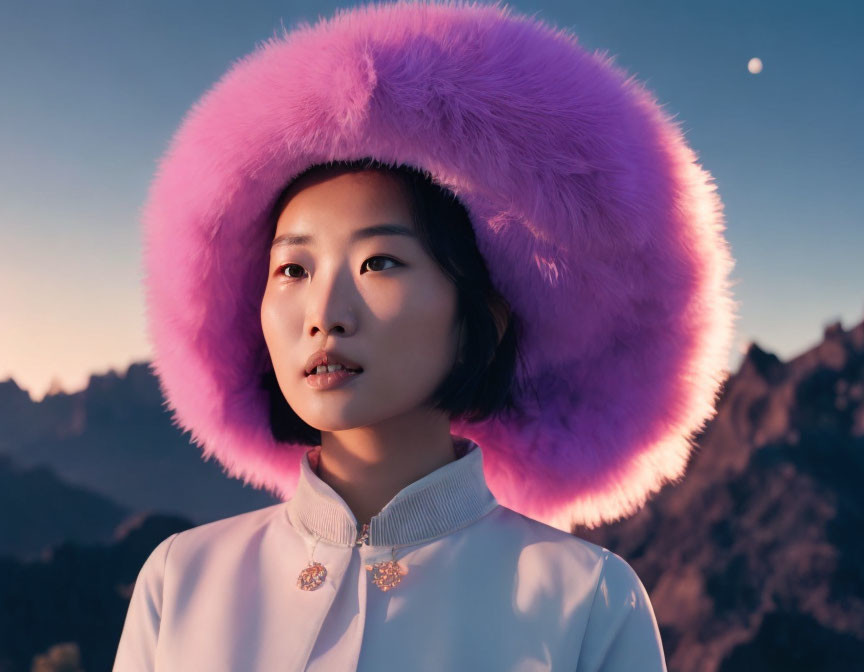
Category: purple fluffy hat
[596,222]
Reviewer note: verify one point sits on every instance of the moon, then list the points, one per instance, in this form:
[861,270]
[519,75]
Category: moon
[754,66]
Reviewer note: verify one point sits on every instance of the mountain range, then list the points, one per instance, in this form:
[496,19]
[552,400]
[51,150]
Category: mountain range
[753,560]
[113,440]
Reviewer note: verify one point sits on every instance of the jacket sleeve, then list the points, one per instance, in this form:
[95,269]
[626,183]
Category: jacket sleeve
[136,651]
[622,632]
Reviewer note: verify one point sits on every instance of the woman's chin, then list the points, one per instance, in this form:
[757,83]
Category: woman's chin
[331,420]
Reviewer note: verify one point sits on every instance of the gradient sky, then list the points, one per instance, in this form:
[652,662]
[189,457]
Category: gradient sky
[91,92]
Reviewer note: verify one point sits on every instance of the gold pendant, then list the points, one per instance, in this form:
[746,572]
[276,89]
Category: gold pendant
[312,576]
[387,575]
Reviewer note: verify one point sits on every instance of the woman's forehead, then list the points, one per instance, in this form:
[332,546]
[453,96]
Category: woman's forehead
[344,205]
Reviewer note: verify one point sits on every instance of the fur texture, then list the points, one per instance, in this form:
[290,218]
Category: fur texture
[595,219]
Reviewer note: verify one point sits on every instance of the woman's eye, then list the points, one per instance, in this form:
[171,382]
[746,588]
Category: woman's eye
[384,258]
[285,267]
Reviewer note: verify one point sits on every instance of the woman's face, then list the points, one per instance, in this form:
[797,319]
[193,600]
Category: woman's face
[380,300]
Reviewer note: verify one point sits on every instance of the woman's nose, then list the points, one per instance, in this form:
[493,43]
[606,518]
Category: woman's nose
[330,306]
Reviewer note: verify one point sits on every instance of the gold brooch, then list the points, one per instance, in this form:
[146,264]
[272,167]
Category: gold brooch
[314,573]
[387,575]
[312,576]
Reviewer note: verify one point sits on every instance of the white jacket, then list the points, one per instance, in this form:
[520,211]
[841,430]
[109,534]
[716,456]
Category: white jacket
[486,588]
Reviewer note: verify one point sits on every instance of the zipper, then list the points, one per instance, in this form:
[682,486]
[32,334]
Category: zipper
[363,535]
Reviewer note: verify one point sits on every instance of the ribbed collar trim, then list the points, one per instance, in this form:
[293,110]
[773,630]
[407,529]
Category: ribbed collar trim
[443,501]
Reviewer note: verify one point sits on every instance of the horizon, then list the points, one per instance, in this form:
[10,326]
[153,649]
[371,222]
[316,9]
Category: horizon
[56,387]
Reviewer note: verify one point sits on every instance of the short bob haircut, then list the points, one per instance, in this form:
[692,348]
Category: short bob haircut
[482,381]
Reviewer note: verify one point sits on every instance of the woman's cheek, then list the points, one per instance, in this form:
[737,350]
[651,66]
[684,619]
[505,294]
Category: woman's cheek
[279,322]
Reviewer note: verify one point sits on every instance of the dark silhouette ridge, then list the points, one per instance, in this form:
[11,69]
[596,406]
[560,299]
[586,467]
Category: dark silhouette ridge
[71,604]
[115,438]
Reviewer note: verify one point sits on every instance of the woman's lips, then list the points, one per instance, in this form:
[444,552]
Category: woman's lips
[331,380]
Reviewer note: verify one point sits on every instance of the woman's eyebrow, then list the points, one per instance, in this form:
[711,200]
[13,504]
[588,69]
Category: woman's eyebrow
[289,239]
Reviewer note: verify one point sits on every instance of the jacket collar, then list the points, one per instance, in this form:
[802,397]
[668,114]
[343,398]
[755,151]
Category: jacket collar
[443,501]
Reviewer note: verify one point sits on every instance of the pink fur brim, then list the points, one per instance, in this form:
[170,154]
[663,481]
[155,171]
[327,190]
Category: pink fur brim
[592,213]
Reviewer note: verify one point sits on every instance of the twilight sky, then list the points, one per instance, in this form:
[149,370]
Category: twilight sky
[91,92]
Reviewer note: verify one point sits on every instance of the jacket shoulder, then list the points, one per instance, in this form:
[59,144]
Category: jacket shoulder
[230,530]
[136,649]
[531,531]
[622,632]
[609,568]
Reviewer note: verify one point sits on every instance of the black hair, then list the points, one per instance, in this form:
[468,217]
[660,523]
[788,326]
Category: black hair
[482,382]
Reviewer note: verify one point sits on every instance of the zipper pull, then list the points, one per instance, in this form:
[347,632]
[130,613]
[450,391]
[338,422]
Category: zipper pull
[363,537]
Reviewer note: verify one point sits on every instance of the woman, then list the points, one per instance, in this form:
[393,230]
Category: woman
[511,262]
